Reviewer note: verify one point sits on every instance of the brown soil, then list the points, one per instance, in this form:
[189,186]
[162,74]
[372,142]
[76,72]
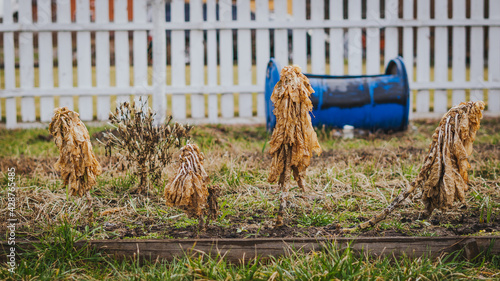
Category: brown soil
[457,224]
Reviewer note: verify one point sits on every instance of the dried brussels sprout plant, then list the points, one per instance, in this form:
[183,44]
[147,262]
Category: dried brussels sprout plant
[145,147]
[188,190]
[443,177]
[294,139]
[77,163]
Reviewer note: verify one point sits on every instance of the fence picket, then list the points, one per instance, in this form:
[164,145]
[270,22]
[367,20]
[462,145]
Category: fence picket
[423,55]
[159,61]
[318,37]
[84,61]
[46,60]
[178,59]
[408,48]
[477,51]
[26,62]
[458,49]
[494,58]
[391,33]
[373,38]
[262,51]
[9,58]
[441,58]
[226,58]
[122,62]
[196,51]
[102,61]
[281,34]
[355,47]
[336,39]
[64,53]
[213,107]
[140,49]
[244,59]
[299,39]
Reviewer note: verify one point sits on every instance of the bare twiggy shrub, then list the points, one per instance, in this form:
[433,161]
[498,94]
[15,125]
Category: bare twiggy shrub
[77,163]
[146,148]
[294,139]
[443,177]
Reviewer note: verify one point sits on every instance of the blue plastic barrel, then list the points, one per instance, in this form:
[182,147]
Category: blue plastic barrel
[369,102]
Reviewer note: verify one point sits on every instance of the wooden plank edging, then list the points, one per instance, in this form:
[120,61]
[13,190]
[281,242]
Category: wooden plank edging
[235,250]
[245,249]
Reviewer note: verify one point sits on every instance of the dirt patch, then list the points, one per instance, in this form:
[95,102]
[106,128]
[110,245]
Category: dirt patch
[29,165]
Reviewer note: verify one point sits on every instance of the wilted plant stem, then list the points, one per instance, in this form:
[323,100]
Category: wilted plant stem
[89,199]
[382,215]
[293,140]
[284,184]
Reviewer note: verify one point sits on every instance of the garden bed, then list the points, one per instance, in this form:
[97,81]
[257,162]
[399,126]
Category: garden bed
[350,181]
[239,250]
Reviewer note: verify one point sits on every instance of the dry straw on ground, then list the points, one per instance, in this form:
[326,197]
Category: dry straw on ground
[77,163]
[188,190]
[294,139]
[443,177]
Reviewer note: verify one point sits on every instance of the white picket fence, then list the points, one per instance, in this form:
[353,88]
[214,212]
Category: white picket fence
[212,91]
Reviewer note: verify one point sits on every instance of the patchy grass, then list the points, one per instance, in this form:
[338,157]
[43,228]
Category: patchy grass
[350,181]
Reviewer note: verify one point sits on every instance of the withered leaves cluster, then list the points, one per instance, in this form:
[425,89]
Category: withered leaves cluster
[77,163]
[188,190]
[444,172]
[293,139]
[443,177]
[145,147]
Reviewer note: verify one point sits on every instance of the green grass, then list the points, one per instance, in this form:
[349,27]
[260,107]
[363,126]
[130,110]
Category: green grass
[58,259]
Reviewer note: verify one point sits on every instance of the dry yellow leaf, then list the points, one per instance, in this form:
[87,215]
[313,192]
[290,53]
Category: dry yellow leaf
[77,163]
[188,191]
